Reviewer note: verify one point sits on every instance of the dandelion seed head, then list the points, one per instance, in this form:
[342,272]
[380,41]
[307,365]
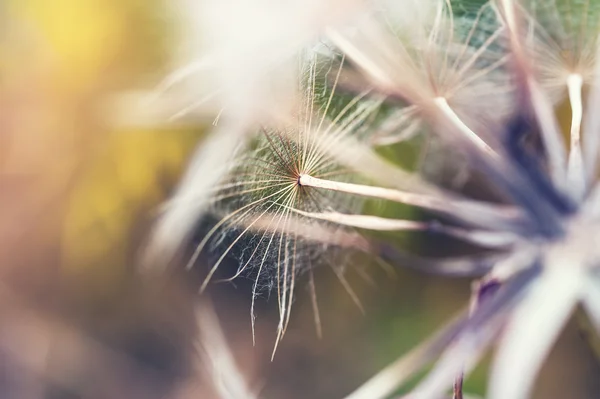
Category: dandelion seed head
[486,83]
[262,203]
[462,61]
[552,58]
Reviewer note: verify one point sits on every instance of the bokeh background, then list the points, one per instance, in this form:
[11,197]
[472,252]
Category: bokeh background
[81,182]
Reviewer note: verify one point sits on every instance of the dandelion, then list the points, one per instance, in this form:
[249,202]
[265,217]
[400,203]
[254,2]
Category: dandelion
[489,85]
[288,199]
[549,271]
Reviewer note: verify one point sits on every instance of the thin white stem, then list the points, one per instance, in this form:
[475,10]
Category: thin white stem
[484,238]
[478,237]
[356,156]
[449,113]
[310,231]
[359,57]
[575,169]
[474,213]
[314,301]
[375,192]
[524,345]
[227,378]
[179,75]
[193,106]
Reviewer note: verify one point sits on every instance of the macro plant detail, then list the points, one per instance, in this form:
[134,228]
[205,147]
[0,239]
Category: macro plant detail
[493,84]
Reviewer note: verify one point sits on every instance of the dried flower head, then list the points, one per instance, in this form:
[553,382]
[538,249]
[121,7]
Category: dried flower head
[488,84]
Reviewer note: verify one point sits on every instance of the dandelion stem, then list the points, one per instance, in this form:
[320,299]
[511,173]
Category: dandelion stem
[375,192]
[544,114]
[481,291]
[458,387]
[443,106]
[314,302]
[309,231]
[359,57]
[477,237]
[441,205]
[575,164]
[366,221]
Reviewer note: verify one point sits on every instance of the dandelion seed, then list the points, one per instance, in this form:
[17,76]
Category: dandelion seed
[288,197]
[246,72]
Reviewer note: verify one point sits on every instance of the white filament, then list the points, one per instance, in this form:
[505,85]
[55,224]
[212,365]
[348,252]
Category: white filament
[575,172]
[375,192]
